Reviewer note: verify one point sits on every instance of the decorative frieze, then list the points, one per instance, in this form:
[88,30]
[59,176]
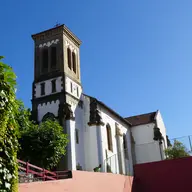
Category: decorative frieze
[49,43]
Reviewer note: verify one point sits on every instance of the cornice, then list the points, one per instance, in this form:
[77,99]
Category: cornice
[71,35]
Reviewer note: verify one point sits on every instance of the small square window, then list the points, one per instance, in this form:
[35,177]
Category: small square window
[42,88]
[53,82]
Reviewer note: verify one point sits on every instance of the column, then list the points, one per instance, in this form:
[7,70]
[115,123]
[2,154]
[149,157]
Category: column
[71,151]
[100,147]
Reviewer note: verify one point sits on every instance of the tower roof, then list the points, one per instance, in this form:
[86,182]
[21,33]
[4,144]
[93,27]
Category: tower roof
[59,29]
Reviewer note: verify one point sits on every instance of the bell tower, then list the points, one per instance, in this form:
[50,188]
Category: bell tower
[57,80]
[57,86]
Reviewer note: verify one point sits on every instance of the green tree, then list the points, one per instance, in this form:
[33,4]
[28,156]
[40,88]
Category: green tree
[43,145]
[8,132]
[22,117]
[178,150]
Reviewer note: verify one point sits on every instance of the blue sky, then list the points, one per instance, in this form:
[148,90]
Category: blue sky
[136,55]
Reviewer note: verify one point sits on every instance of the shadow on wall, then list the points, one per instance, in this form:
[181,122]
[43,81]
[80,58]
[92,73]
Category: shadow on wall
[82,182]
[167,176]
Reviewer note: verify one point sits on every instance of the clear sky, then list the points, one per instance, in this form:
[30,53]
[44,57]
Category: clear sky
[136,55]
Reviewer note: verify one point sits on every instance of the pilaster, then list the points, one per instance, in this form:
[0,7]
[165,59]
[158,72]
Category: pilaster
[71,151]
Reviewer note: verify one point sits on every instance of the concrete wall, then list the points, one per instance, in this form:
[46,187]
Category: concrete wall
[166,176]
[146,149]
[82,182]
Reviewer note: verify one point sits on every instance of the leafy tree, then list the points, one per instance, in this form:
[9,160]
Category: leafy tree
[8,132]
[43,145]
[23,117]
[178,150]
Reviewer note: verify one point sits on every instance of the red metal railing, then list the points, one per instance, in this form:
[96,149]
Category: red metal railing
[30,173]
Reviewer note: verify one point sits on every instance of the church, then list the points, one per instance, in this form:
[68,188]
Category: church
[98,135]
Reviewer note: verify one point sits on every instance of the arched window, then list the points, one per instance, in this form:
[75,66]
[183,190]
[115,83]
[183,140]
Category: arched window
[45,60]
[69,57]
[74,62]
[49,116]
[53,57]
[109,137]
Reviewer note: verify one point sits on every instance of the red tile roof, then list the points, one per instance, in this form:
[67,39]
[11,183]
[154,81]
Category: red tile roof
[142,119]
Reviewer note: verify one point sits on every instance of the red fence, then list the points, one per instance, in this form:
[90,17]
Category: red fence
[30,173]
[167,176]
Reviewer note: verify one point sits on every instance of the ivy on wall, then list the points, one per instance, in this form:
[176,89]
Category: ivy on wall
[8,130]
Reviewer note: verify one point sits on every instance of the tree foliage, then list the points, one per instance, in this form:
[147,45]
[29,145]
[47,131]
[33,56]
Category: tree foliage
[178,150]
[43,145]
[8,133]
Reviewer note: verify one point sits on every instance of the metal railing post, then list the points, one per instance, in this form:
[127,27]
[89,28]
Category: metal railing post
[44,175]
[190,143]
[27,168]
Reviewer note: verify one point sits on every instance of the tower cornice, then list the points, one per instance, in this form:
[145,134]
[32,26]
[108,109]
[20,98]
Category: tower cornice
[61,29]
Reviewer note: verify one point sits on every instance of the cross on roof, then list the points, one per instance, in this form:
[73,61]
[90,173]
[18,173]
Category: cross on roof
[57,24]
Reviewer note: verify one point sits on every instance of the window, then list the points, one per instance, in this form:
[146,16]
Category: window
[74,62]
[69,57]
[42,88]
[71,87]
[45,60]
[53,57]
[109,138]
[77,91]
[77,136]
[125,146]
[53,82]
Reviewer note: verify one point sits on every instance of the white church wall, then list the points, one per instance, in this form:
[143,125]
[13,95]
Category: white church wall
[90,139]
[79,125]
[108,117]
[48,87]
[70,125]
[146,149]
[44,108]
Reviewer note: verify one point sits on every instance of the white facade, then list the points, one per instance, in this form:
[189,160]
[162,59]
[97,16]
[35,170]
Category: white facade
[96,143]
[146,148]
[48,87]
[49,107]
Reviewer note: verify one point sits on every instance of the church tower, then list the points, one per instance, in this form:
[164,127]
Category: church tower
[57,82]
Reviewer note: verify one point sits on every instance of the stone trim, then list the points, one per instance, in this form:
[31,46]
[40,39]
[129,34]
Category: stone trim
[118,132]
[47,98]
[55,31]
[157,134]
[47,76]
[96,124]
[73,79]
[109,109]
[94,116]
[75,98]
